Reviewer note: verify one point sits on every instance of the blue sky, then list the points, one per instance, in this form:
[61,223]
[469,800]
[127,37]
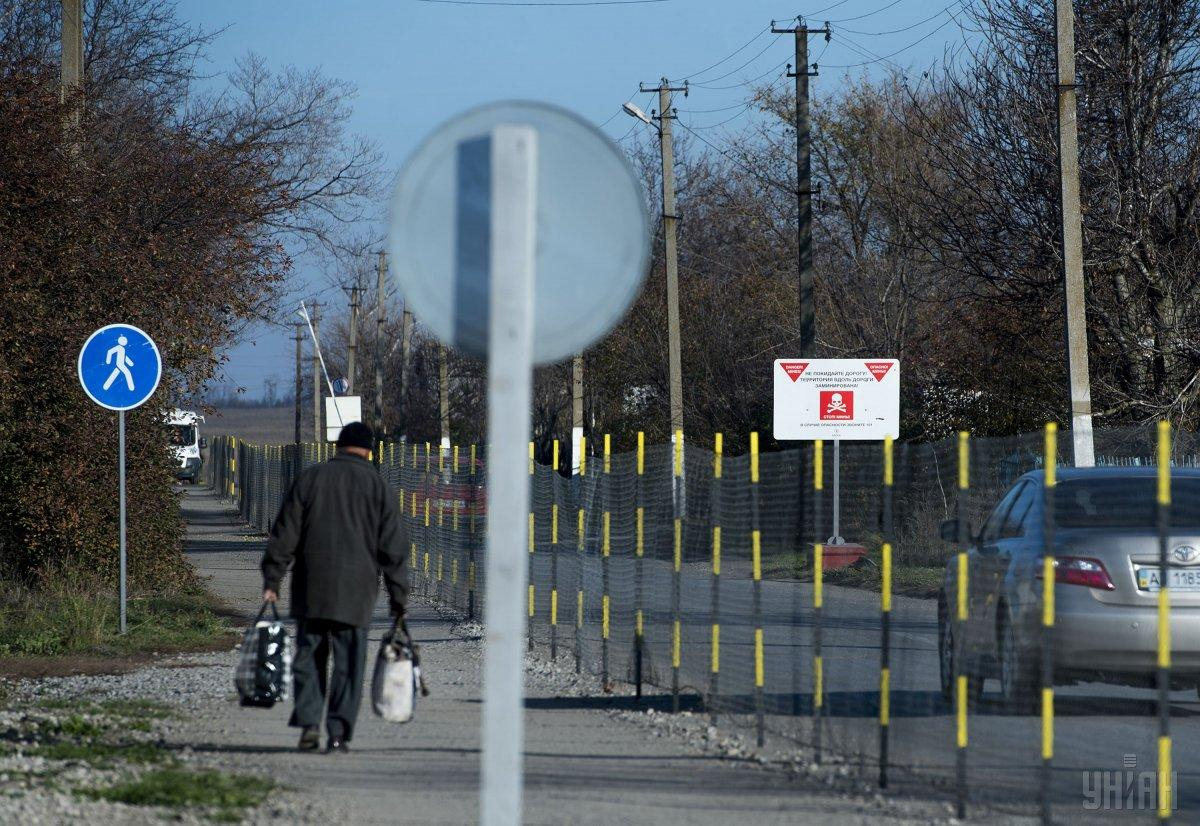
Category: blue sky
[417,63]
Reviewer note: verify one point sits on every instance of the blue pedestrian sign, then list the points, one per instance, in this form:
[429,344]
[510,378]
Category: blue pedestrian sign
[119,367]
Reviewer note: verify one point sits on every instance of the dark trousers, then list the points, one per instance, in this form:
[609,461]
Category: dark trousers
[315,639]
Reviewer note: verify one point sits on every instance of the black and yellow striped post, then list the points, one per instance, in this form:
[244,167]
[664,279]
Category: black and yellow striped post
[714,680]
[1049,478]
[1164,623]
[756,596]
[471,538]
[554,552]
[425,543]
[456,544]
[818,699]
[532,545]
[885,612]
[961,593]
[580,540]
[639,628]
[605,549]
[677,568]
[440,541]
[441,546]
[233,443]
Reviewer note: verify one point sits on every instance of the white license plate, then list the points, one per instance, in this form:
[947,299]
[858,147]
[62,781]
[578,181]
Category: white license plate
[1178,579]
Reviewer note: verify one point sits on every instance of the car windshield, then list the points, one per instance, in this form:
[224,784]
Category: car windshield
[181,435]
[1124,503]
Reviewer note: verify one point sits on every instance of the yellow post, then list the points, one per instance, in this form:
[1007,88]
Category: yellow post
[605,549]
[961,681]
[554,552]
[1164,623]
[1049,474]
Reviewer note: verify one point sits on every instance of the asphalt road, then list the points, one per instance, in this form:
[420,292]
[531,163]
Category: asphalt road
[582,765]
[1098,728]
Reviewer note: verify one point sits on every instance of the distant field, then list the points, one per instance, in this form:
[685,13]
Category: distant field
[264,425]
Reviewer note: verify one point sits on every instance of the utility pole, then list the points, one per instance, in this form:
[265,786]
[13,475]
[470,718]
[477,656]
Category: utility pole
[318,434]
[299,377]
[667,151]
[576,412]
[406,331]
[380,321]
[72,52]
[804,187]
[1072,238]
[444,397]
[352,349]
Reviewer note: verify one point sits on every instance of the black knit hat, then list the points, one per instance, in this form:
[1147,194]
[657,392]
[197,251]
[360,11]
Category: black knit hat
[356,434]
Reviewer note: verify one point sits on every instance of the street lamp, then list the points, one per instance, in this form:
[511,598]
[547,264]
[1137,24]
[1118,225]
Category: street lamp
[632,110]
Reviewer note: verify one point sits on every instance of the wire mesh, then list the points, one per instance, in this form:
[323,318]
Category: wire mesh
[697,575]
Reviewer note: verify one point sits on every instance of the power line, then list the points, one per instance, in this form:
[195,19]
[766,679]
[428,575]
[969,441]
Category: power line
[758,176]
[877,58]
[828,8]
[743,66]
[551,3]
[774,68]
[735,52]
[868,14]
[905,28]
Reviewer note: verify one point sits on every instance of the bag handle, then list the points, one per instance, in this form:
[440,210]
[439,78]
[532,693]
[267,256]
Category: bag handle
[263,610]
[398,624]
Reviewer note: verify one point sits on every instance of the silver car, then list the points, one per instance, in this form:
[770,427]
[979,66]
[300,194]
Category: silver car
[1106,584]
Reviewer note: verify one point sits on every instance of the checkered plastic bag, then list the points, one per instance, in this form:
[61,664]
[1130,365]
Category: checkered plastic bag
[264,671]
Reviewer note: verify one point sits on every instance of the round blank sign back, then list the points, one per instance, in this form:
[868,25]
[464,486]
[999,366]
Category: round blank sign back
[593,232]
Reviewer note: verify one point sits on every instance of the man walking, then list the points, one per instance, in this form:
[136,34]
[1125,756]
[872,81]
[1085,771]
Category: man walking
[341,527]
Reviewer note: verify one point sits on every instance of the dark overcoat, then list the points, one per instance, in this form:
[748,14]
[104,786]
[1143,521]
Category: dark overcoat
[339,529]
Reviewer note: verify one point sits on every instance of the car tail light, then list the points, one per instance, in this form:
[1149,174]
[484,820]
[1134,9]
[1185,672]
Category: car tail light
[1081,570]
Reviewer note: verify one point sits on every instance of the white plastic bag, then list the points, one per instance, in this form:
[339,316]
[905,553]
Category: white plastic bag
[394,687]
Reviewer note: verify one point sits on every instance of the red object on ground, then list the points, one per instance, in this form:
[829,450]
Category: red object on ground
[839,556]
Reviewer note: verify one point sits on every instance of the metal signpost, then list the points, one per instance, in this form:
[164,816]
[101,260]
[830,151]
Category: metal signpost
[837,399]
[518,232]
[119,368]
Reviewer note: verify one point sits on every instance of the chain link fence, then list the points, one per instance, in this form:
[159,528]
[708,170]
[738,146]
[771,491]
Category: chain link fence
[717,581]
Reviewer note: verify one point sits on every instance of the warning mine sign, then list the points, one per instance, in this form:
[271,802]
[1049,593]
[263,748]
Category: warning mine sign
[837,399]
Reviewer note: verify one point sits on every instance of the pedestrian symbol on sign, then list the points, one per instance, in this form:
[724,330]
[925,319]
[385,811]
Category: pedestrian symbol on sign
[123,362]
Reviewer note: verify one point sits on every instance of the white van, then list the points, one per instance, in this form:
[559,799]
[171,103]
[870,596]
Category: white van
[183,435]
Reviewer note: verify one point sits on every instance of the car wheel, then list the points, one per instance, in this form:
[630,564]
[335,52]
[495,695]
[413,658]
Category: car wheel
[947,661]
[1018,680]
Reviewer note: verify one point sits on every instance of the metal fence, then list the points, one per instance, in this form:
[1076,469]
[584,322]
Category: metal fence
[709,580]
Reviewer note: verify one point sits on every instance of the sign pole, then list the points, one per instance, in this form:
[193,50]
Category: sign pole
[119,368]
[836,539]
[510,376]
[121,499]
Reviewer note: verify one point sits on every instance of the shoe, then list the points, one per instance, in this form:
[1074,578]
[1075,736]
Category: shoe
[337,746]
[310,740]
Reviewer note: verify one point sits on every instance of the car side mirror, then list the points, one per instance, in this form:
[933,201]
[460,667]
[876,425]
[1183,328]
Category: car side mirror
[949,530]
[203,443]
